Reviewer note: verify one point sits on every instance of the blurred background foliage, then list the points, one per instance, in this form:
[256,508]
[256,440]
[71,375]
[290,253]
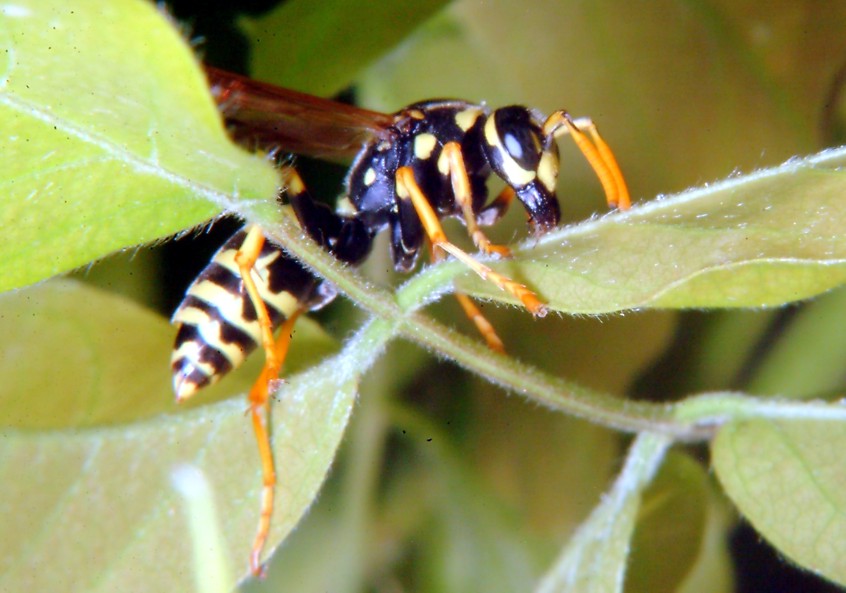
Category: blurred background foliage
[445,483]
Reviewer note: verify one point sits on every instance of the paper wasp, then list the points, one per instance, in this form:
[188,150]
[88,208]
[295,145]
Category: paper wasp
[428,161]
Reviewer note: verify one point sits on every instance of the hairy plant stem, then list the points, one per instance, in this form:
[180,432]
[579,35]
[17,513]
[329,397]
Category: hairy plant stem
[694,419]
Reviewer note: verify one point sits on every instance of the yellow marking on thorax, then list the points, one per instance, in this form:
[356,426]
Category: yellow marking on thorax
[424,145]
[465,119]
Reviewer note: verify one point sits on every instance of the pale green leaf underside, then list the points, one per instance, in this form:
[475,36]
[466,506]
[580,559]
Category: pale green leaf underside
[595,559]
[788,479]
[671,527]
[80,467]
[108,135]
[764,239]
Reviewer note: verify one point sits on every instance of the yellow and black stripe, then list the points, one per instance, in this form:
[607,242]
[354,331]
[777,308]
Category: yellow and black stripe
[217,322]
[429,161]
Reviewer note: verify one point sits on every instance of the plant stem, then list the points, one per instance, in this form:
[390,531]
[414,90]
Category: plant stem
[689,420]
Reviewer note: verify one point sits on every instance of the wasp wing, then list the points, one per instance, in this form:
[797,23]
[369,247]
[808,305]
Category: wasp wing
[265,116]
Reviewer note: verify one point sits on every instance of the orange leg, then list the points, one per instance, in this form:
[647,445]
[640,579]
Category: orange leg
[259,412]
[246,260]
[464,196]
[597,153]
[407,188]
[480,321]
[473,312]
[275,352]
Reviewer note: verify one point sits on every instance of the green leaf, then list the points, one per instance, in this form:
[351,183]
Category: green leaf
[764,239]
[725,341]
[91,438]
[96,345]
[807,359]
[670,527]
[469,540]
[788,479]
[108,134]
[713,571]
[321,47]
[553,468]
[320,554]
[81,358]
[595,559]
[472,542]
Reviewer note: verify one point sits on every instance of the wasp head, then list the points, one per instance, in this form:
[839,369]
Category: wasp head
[527,160]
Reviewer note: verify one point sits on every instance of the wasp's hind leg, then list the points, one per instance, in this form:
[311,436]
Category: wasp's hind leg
[345,237]
[275,351]
[259,414]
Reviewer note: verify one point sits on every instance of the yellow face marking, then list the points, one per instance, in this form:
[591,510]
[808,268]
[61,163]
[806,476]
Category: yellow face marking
[424,145]
[548,171]
[369,176]
[515,175]
[490,132]
[465,119]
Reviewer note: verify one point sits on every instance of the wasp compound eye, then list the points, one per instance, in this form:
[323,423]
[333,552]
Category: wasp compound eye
[519,136]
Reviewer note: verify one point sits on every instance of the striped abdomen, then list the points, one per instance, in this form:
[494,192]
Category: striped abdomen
[217,322]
